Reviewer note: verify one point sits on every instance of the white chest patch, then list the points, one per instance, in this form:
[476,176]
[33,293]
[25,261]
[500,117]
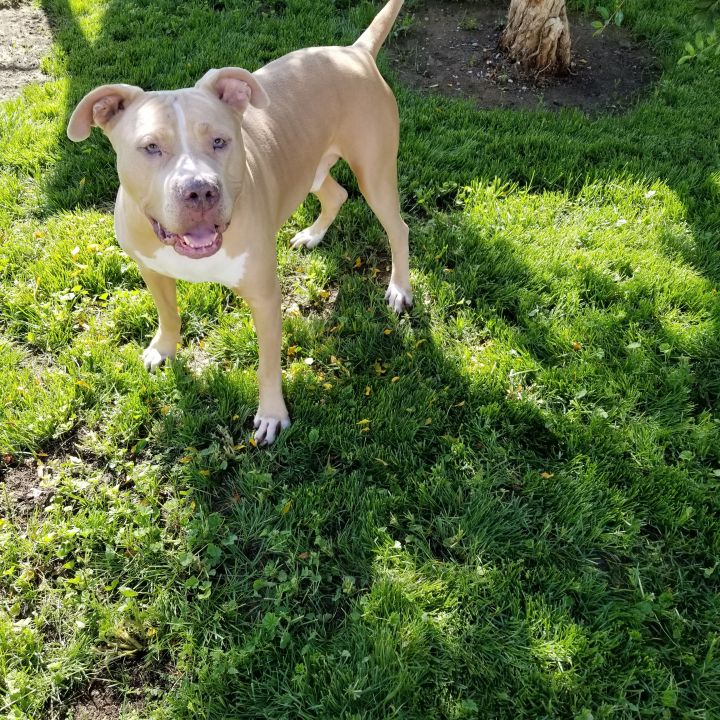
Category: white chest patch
[219,268]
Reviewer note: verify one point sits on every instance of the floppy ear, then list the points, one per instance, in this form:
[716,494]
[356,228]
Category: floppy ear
[99,107]
[236,87]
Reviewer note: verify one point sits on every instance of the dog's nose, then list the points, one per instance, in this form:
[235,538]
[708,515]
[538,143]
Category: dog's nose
[200,194]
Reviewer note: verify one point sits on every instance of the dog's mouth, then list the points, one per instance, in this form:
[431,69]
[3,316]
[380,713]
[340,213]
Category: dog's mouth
[200,242]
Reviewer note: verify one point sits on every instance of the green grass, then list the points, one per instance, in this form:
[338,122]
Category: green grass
[502,505]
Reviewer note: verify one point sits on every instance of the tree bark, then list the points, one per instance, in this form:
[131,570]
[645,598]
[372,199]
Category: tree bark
[538,36]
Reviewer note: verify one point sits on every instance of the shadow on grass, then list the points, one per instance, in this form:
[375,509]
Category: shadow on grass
[436,545]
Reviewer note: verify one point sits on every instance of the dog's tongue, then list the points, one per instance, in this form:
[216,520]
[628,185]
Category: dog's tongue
[201,237]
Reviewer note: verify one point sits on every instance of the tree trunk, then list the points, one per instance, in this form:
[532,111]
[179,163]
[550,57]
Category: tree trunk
[538,36]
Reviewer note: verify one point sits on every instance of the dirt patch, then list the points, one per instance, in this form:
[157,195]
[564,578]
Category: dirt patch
[25,38]
[451,48]
[22,493]
[101,703]
[135,686]
[27,484]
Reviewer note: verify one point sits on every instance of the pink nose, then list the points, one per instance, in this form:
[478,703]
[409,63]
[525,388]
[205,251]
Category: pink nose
[200,195]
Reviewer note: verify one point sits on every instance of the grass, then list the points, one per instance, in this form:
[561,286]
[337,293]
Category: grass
[502,505]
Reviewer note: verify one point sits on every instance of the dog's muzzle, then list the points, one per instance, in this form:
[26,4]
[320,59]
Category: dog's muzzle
[202,241]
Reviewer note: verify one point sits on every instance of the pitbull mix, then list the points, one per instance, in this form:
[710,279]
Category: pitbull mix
[208,175]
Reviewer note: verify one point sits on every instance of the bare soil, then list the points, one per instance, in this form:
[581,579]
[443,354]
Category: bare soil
[22,493]
[27,484]
[136,684]
[101,703]
[25,39]
[451,48]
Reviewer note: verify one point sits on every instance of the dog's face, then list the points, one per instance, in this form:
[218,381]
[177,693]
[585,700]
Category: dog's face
[180,155]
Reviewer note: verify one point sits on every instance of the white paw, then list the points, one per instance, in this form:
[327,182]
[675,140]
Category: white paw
[308,238]
[268,427]
[398,298]
[154,357]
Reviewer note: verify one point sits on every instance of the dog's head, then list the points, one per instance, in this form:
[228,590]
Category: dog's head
[180,154]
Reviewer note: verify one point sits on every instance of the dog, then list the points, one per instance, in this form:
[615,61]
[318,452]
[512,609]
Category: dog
[209,174]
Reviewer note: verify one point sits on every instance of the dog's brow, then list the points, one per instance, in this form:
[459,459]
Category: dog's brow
[182,129]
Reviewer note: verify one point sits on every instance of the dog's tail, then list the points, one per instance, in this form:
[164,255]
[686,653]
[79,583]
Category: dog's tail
[373,38]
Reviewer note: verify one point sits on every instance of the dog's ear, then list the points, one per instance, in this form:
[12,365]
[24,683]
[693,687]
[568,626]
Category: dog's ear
[236,87]
[100,107]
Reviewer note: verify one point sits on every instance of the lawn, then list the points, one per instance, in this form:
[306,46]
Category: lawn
[503,504]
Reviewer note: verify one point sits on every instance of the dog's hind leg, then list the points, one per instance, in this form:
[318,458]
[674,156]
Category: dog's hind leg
[331,196]
[377,178]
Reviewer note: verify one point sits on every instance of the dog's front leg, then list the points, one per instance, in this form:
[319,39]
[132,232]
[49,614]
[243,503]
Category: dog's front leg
[272,415]
[164,344]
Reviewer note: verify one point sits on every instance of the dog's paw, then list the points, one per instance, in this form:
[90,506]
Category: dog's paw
[268,427]
[154,357]
[308,238]
[399,299]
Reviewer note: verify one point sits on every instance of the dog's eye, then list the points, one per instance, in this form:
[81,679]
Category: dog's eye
[219,143]
[152,149]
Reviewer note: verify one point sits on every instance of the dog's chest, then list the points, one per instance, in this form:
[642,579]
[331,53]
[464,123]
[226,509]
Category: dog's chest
[219,268]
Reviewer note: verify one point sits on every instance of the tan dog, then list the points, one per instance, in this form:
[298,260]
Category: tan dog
[209,174]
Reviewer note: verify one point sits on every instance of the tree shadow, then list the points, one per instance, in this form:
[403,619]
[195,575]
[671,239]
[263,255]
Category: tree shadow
[443,528]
